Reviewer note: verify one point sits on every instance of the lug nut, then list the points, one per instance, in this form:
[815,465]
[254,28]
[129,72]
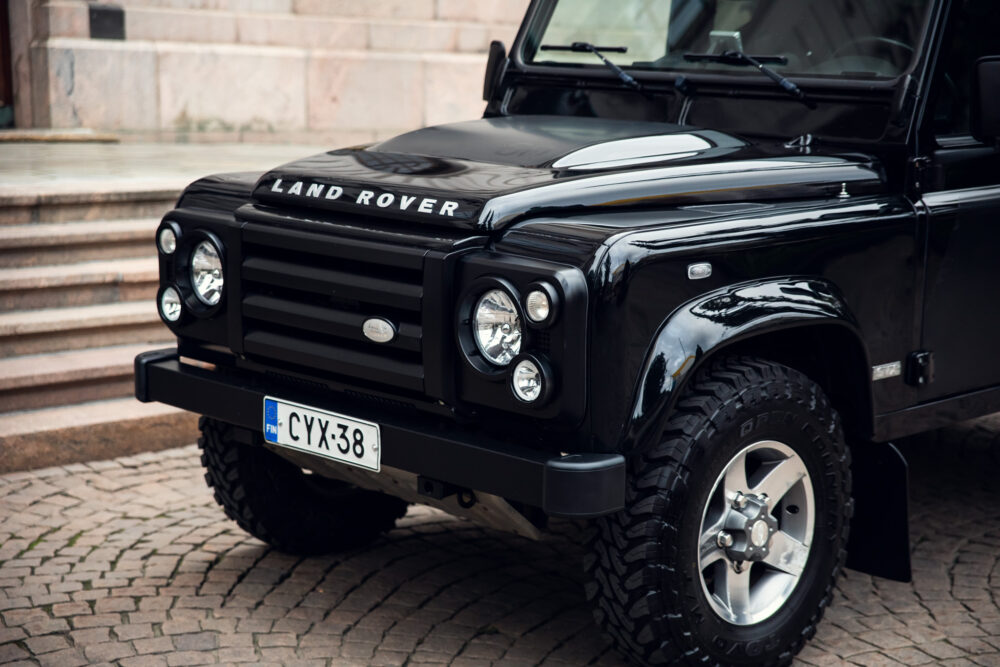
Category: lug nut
[740,501]
[724,540]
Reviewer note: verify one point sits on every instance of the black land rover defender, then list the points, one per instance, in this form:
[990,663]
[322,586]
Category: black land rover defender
[694,269]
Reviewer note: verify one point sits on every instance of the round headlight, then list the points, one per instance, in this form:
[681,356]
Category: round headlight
[537,306]
[527,382]
[497,327]
[167,240]
[206,273]
[170,305]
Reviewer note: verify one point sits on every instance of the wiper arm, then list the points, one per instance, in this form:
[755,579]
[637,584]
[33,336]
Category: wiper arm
[739,58]
[587,47]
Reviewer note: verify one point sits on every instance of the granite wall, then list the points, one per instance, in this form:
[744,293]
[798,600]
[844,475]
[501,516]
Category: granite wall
[343,71]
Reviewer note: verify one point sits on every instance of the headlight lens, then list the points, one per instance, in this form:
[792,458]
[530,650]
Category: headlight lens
[497,327]
[167,241]
[206,273]
[537,306]
[170,305]
[527,381]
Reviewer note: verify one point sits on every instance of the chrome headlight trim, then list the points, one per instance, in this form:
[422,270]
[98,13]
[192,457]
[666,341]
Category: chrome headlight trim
[167,238]
[206,270]
[170,304]
[531,381]
[497,326]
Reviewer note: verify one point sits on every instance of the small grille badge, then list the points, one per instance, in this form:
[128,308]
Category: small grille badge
[379,330]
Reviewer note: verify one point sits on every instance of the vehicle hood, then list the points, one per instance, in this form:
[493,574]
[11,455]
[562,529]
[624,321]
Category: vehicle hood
[483,175]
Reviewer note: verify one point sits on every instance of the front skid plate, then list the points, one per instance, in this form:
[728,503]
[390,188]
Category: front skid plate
[490,511]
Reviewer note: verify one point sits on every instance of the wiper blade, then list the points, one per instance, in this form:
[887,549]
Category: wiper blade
[739,58]
[587,47]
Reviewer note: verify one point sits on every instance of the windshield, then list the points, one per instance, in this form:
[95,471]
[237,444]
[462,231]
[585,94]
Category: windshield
[826,38]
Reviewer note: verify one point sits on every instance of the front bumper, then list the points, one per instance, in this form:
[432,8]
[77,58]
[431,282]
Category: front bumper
[577,485]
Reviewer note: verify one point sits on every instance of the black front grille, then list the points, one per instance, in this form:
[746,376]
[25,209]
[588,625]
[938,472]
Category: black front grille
[306,295]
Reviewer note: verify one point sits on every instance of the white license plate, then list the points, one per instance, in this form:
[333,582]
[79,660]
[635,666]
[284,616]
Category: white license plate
[322,433]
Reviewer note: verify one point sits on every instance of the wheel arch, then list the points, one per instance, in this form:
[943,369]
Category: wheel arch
[803,323]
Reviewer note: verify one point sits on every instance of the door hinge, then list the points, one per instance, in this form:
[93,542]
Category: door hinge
[921,167]
[920,368]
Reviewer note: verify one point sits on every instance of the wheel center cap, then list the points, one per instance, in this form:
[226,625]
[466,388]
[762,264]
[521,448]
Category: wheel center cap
[749,529]
[759,533]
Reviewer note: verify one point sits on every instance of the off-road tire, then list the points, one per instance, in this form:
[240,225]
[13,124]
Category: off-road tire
[644,581]
[273,500]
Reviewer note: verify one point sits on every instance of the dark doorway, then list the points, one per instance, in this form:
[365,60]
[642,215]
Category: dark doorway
[6,70]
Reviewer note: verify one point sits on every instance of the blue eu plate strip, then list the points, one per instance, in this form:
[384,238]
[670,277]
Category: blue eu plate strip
[270,420]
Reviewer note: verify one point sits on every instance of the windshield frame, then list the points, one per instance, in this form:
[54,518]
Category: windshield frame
[540,11]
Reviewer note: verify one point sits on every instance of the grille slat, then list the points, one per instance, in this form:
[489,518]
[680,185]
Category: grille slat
[306,296]
[401,257]
[335,359]
[338,284]
[336,323]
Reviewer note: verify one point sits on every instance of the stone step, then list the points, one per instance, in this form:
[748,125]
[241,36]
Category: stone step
[47,244]
[65,378]
[91,431]
[80,284]
[59,329]
[95,202]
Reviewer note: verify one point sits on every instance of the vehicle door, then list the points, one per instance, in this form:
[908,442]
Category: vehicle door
[961,196]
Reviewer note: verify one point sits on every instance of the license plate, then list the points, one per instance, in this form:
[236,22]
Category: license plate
[322,433]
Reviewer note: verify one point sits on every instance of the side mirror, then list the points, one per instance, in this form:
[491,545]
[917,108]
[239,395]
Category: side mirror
[985,105]
[495,68]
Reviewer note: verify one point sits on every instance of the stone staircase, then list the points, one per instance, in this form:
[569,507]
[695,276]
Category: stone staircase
[78,279]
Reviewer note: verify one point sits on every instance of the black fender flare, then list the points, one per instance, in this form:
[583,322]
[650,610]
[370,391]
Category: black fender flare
[702,327]
[710,323]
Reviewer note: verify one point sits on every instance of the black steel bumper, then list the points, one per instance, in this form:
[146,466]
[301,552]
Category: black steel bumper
[578,485]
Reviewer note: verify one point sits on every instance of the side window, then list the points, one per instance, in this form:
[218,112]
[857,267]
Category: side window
[974,32]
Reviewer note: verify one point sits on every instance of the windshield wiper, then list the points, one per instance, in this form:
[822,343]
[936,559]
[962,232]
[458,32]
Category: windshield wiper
[587,47]
[739,58]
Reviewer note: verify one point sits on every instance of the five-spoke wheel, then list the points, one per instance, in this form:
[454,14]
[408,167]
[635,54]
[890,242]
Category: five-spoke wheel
[735,524]
[756,531]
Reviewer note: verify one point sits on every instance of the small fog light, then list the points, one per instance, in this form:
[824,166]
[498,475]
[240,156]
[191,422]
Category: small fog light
[537,306]
[170,305]
[527,381]
[168,241]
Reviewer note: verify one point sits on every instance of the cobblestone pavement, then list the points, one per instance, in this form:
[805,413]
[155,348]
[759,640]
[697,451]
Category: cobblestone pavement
[131,562]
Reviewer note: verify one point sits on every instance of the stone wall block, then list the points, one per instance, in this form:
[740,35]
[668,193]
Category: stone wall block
[416,37]
[398,9]
[474,38]
[101,84]
[365,91]
[481,11]
[179,26]
[477,37]
[454,88]
[63,18]
[312,33]
[215,87]
[259,6]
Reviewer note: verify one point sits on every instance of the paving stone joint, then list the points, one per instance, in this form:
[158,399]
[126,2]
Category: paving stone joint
[130,562]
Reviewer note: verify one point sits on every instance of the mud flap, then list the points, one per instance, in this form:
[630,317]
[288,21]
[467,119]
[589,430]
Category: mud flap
[880,530]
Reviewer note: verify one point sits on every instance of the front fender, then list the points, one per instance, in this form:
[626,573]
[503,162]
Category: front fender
[716,320]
